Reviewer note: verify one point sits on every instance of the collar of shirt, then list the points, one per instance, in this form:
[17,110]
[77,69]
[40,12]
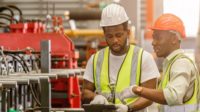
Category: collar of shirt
[170,56]
[117,57]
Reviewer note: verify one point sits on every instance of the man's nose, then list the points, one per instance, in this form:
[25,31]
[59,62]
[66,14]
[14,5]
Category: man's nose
[115,39]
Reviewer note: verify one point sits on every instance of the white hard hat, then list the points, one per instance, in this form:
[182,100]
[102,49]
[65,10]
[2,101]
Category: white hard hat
[113,14]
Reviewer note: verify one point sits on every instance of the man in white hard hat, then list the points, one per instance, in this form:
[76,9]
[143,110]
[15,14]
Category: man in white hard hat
[113,70]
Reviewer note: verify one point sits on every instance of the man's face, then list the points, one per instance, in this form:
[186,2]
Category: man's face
[116,38]
[162,43]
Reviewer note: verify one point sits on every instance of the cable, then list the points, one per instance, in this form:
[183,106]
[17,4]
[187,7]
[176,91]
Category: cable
[13,56]
[24,62]
[34,96]
[20,59]
[35,64]
[24,65]
[34,93]
[4,58]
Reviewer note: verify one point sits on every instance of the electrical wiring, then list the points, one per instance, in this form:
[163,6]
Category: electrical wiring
[25,68]
[13,56]
[34,95]
[24,62]
[26,71]
[4,58]
[33,91]
[35,63]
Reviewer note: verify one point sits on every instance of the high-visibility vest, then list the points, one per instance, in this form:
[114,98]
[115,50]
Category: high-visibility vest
[191,105]
[129,73]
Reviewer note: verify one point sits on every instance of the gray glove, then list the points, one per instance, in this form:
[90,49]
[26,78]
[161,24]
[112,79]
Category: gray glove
[99,99]
[121,108]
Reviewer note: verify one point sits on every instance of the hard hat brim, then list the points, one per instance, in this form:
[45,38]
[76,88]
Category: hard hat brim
[113,24]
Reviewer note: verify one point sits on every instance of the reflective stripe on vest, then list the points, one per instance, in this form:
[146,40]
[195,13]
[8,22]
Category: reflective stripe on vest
[191,104]
[126,76]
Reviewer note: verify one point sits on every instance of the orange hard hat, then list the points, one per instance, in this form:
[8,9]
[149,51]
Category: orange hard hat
[169,22]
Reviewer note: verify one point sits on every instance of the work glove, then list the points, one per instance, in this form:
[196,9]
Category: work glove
[99,99]
[127,93]
[121,108]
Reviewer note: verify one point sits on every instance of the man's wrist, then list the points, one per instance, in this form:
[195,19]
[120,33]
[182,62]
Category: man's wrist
[138,90]
[130,109]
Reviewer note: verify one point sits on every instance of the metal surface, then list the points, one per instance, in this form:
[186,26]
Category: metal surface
[18,80]
[6,98]
[50,75]
[45,56]
[45,94]
[20,96]
[15,91]
[20,41]
[99,108]
[67,110]
[3,101]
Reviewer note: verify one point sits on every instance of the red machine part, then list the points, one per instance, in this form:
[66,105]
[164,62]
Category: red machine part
[61,46]
[58,25]
[71,88]
[29,35]
[31,27]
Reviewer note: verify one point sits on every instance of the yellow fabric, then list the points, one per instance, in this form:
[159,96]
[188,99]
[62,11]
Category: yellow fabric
[123,80]
[94,65]
[139,65]
[164,82]
[104,73]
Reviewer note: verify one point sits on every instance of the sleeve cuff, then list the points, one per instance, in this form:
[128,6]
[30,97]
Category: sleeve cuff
[169,97]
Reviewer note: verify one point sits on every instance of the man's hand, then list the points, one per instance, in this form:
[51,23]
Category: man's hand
[127,93]
[121,108]
[99,99]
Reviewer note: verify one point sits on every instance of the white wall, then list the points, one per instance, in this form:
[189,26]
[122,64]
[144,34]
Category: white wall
[188,11]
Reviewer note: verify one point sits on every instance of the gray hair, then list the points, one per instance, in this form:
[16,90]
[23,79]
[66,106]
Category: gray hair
[178,35]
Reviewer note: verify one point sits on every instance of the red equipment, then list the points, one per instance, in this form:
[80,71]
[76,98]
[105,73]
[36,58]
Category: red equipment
[72,99]
[23,35]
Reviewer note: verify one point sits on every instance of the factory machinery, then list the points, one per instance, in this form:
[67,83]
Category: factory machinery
[38,69]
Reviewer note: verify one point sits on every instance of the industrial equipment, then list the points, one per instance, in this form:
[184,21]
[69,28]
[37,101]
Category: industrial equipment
[99,108]
[24,87]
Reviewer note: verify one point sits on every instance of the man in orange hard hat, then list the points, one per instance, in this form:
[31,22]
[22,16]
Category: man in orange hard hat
[179,86]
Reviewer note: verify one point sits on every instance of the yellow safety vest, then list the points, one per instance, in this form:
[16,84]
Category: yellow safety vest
[129,73]
[189,106]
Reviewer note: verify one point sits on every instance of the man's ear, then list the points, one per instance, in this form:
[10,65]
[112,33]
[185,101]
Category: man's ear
[175,39]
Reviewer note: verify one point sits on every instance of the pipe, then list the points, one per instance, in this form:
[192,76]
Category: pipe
[19,10]
[7,17]
[84,32]
[85,14]
[7,8]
